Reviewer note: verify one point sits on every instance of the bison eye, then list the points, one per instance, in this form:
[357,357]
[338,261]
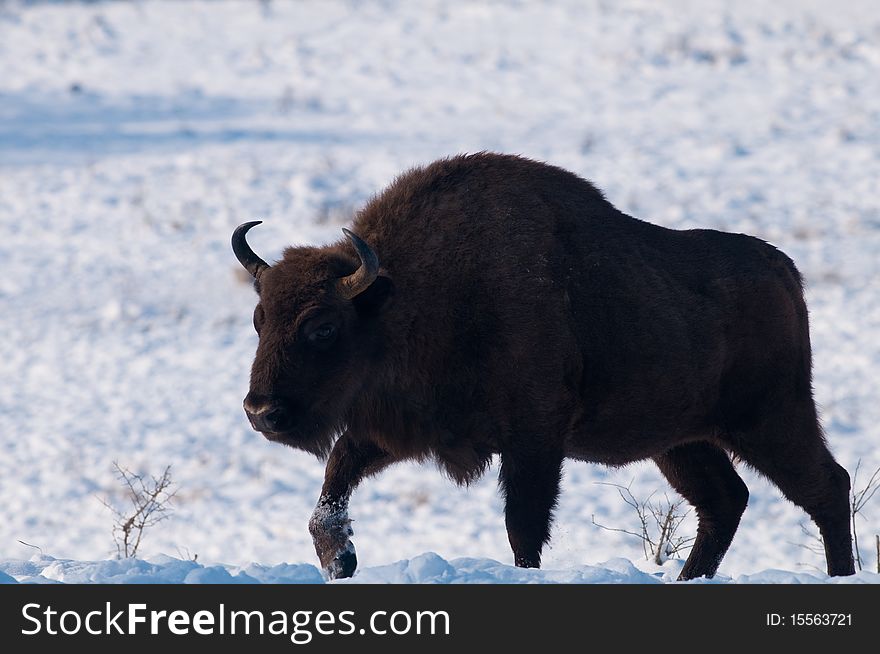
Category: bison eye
[323,334]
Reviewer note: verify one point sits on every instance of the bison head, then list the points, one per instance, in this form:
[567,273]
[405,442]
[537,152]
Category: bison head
[317,324]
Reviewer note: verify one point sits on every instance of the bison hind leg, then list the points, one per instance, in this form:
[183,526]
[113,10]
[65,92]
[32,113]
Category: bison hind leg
[703,474]
[788,448]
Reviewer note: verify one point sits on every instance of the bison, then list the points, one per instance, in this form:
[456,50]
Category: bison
[489,305]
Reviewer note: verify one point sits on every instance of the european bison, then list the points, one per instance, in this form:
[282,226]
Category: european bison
[488,304]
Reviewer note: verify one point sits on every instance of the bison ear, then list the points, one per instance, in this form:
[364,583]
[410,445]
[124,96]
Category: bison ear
[375,298]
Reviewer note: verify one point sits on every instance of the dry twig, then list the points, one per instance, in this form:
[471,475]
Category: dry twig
[658,524]
[150,504]
[857,501]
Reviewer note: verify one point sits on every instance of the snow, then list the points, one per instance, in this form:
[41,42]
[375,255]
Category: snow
[427,568]
[134,137]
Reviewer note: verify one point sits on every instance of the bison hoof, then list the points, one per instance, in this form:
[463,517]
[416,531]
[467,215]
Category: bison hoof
[343,565]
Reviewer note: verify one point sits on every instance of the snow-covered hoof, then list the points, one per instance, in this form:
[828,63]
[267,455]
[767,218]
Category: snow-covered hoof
[331,530]
[343,565]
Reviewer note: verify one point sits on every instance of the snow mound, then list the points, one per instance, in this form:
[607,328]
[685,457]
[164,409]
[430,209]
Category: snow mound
[428,568]
[158,570]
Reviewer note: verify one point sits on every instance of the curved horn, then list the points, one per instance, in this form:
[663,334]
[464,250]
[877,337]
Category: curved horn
[246,257]
[357,282]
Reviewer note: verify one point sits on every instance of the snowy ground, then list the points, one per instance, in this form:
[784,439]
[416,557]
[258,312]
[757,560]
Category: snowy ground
[135,136]
[428,568]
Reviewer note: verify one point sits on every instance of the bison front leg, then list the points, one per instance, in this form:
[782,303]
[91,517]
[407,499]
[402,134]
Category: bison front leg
[350,461]
[530,481]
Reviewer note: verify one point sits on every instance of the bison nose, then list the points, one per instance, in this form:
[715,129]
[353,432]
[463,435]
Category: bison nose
[266,415]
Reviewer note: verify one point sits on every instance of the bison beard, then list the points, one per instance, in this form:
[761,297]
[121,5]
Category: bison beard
[490,305]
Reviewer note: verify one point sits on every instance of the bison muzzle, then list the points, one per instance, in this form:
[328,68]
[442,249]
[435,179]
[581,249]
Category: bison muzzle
[491,305]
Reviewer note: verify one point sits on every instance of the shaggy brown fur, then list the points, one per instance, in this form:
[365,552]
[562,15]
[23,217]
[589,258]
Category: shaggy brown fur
[517,312]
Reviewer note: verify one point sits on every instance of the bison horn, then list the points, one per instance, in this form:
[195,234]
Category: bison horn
[246,257]
[357,282]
